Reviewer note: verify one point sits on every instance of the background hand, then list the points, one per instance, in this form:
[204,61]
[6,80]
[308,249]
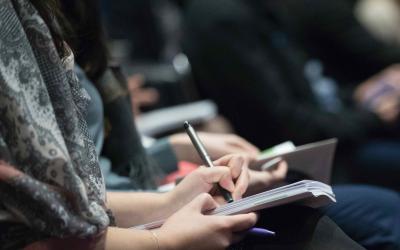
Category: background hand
[261,181]
[387,107]
[141,97]
[217,145]
[381,94]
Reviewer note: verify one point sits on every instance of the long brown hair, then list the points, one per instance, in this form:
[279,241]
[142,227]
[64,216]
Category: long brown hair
[88,38]
[50,11]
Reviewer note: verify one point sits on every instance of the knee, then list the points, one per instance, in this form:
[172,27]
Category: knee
[372,215]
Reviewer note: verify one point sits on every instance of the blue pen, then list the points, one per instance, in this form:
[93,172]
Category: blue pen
[262,232]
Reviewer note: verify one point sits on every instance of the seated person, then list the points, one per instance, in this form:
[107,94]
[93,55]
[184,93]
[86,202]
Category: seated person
[329,31]
[246,53]
[338,37]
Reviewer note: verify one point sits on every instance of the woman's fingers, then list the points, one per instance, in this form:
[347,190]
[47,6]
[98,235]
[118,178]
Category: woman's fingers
[203,203]
[234,162]
[217,174]
[238,166]
[223,161]
[242,184]
[241,222]
[280,172]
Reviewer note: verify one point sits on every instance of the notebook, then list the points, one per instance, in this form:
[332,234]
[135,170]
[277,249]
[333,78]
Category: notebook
[313,160]
[311,193]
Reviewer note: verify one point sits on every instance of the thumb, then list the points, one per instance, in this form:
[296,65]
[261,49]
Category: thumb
[218,174]
[242,222]
[203,203]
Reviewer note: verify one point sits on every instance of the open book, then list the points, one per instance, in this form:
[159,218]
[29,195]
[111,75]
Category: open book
[310,193]
[313,160]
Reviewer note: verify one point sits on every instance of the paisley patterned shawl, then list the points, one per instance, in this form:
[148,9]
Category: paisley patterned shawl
[50,182]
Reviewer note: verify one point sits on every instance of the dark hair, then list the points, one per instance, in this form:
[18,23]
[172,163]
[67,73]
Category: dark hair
[49,10]
[88,37]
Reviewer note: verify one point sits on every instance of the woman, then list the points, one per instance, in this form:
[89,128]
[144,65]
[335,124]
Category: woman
[52,193]
[49,162]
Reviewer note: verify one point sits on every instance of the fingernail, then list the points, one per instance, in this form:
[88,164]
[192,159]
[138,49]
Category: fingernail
[235,195]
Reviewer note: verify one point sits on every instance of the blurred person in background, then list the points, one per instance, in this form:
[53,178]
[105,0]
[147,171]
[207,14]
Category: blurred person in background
[339,46]
[329,31]
[247,52]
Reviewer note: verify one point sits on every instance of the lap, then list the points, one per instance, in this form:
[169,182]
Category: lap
[300,228]
[369,215]
[378,162]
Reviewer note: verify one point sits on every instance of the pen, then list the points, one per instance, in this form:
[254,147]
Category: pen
[204,156]
[262,232]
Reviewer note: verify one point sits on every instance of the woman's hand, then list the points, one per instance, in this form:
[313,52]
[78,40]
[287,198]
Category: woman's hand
[230,172]
[261,181]
[189,228]
[217,145]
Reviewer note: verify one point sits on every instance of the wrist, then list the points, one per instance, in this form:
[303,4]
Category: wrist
[155,239]
[165,241]
[173,201]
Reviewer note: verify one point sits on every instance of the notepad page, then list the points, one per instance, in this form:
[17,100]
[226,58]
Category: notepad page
[313,192]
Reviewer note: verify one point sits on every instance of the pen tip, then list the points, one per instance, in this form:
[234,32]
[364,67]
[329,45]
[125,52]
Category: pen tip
[186,124]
